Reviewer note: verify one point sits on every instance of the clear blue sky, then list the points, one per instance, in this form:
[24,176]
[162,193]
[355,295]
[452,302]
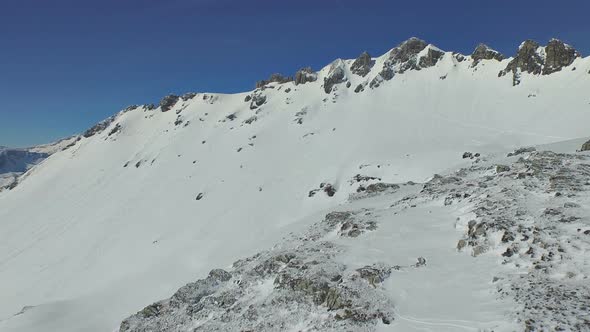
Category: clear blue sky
[66,64]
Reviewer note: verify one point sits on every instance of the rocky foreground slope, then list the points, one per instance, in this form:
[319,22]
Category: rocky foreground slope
[529,214]
[339,164]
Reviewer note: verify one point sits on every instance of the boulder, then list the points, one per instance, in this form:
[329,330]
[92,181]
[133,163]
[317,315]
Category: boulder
[586,146]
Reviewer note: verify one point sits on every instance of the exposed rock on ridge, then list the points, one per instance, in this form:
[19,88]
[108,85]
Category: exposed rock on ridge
[405,57]
[305,75]
[335,76]
[274,78]
[483,52]
[168,102]
[362,65]
[535,59]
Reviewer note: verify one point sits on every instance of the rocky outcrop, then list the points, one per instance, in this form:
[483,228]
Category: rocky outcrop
[168,102]
[558,55]
[528,59]
[299,276]
[535,59]
[305,75]
[336,75]
[99,127]
[257,99]
[585,146]
[406,57]
[188,96]
[278,78]
[433,55]
[362,65]
[483,52]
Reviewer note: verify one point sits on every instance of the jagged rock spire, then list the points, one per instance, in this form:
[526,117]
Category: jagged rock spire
[483,52]
[534,59]
[336,75]
[362,65]
[558,55]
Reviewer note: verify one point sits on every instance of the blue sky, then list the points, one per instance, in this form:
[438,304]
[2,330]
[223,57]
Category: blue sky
[66,64]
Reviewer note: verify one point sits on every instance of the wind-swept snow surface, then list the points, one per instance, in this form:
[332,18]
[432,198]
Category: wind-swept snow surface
[149,201]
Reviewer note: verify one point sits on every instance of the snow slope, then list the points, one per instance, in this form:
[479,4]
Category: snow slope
[96,232]
[14,162]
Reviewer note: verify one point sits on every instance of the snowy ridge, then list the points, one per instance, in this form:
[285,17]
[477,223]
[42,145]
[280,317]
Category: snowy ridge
[157,196]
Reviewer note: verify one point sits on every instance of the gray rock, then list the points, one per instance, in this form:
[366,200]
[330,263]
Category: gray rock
[99,127]
[257,99]
[461,244]
[585,146]
[305,75]
[374,274]
[362,65]
[380,187]
[405,57]
[483,52]
[502,168]
[274,78]
[558,55]
[335,75]
[359,88]
[430,59]
[115,130]
[188,96]
[168,102]
[479,250]
[527,59]
[520,151]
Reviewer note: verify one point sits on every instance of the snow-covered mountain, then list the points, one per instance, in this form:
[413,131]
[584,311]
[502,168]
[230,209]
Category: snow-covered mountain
[326,181]
[14,162]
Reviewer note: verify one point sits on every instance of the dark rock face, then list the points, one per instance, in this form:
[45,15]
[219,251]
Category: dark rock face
[431,58]
[529,60]
[188,96]
[362,65]
[168,102]
[305,75]
[407,50]
[274,78]
[130,108]
[99,127]
[335,76]
[585,147]
[115,130]
[359,88]
[257,100]
[483,52]
[558,55]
